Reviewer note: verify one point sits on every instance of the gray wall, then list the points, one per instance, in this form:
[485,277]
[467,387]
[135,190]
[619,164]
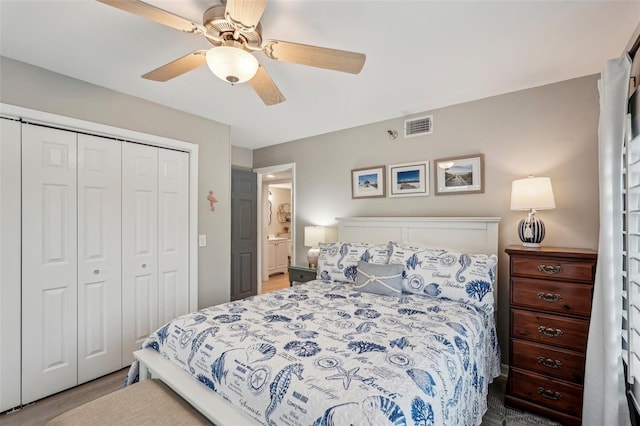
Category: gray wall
[36,88]
[241,158]
[546,131]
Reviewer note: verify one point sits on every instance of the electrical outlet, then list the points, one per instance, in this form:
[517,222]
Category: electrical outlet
[202,240]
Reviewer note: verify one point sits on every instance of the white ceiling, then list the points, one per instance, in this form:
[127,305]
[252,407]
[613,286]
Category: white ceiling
[421,55]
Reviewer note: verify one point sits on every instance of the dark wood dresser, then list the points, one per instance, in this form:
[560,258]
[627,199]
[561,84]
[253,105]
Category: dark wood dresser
[550,292]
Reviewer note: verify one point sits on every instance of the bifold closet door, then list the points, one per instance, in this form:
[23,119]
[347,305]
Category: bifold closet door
[155,241]
[49,262]
[99,257]
[9,264]
[139,246]
[173,234]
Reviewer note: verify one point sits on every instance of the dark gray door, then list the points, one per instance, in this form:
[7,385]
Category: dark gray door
[244,234]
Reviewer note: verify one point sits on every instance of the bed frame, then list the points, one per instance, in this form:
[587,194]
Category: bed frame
[469,234]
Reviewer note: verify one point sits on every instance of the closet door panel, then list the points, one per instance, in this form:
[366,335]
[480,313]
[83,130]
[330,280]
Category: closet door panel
[139,246]
[49,261]
[9,264]
[99,257]
[173,234]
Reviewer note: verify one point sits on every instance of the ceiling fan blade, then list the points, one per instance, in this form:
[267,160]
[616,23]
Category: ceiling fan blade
[245,14]
[314,56]
[154,13]
[266,88]
[178,67]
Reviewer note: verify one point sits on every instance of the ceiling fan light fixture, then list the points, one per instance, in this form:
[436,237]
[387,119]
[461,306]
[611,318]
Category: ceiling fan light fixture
[232,64]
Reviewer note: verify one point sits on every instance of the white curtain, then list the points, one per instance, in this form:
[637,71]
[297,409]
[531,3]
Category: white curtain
[604,395]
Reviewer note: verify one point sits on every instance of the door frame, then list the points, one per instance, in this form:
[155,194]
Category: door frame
[77,125]
[262,246]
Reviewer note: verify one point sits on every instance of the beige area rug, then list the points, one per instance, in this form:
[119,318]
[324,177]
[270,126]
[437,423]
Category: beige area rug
[499,415]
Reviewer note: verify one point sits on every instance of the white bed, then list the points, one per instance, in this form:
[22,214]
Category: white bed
[469,234]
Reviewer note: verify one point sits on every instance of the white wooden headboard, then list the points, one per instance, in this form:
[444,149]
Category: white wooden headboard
[468,234]
[473,235]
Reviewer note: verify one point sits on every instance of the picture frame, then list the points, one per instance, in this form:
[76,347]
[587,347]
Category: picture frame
[408,179]
[460,175]
[368,182]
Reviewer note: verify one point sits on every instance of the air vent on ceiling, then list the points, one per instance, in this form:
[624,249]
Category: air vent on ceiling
[418,126]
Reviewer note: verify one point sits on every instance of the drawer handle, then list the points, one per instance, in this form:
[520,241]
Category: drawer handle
[550,269]
[549,297]
[551,332]
[549,394]
[548,362]
[96,271]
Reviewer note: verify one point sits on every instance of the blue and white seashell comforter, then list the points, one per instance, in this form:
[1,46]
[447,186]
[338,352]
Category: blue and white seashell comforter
[324,354]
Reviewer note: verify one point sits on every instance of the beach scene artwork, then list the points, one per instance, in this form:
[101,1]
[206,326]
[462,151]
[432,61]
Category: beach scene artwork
[459,175]
[409,179]
[368,182]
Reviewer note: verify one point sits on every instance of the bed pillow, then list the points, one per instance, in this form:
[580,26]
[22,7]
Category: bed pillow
[339,261]
[449,274]
[380,279]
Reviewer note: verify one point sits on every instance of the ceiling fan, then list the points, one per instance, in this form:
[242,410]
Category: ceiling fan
[234,29]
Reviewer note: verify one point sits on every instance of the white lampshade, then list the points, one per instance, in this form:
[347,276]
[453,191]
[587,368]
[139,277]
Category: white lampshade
[532,193]
[314,235]
[232,64]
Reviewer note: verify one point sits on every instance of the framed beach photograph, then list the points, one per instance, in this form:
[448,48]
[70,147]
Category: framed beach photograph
[409,179]
[460,175]
[367,183]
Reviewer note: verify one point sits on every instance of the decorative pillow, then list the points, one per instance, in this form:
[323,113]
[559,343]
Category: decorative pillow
[380,279]
[449,274]
[339,261]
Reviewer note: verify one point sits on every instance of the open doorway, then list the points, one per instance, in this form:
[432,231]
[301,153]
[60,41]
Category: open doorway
[276,225]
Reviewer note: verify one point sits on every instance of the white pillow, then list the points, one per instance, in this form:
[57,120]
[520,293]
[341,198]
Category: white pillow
[446,273]
[339,261]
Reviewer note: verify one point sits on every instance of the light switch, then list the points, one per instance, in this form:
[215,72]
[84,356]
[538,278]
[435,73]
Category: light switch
[202,240]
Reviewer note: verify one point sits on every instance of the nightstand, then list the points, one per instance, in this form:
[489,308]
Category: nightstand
[301,274]
[550,292]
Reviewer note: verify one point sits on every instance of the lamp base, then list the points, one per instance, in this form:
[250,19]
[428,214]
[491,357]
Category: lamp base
[531,245]
[531,231]
[312,257]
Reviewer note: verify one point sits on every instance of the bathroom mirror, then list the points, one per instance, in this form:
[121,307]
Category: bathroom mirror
[284,213]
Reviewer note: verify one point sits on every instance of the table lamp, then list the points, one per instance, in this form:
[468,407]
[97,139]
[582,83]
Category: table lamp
[313,235]
[532,193]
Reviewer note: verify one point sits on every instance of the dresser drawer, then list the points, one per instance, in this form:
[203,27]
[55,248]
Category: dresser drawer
[555,394]
[556,296]
[559,363]
[554,330]
[549,267]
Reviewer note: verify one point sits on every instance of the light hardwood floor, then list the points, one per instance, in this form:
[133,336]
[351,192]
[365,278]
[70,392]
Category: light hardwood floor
[41,411]
[275,282]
